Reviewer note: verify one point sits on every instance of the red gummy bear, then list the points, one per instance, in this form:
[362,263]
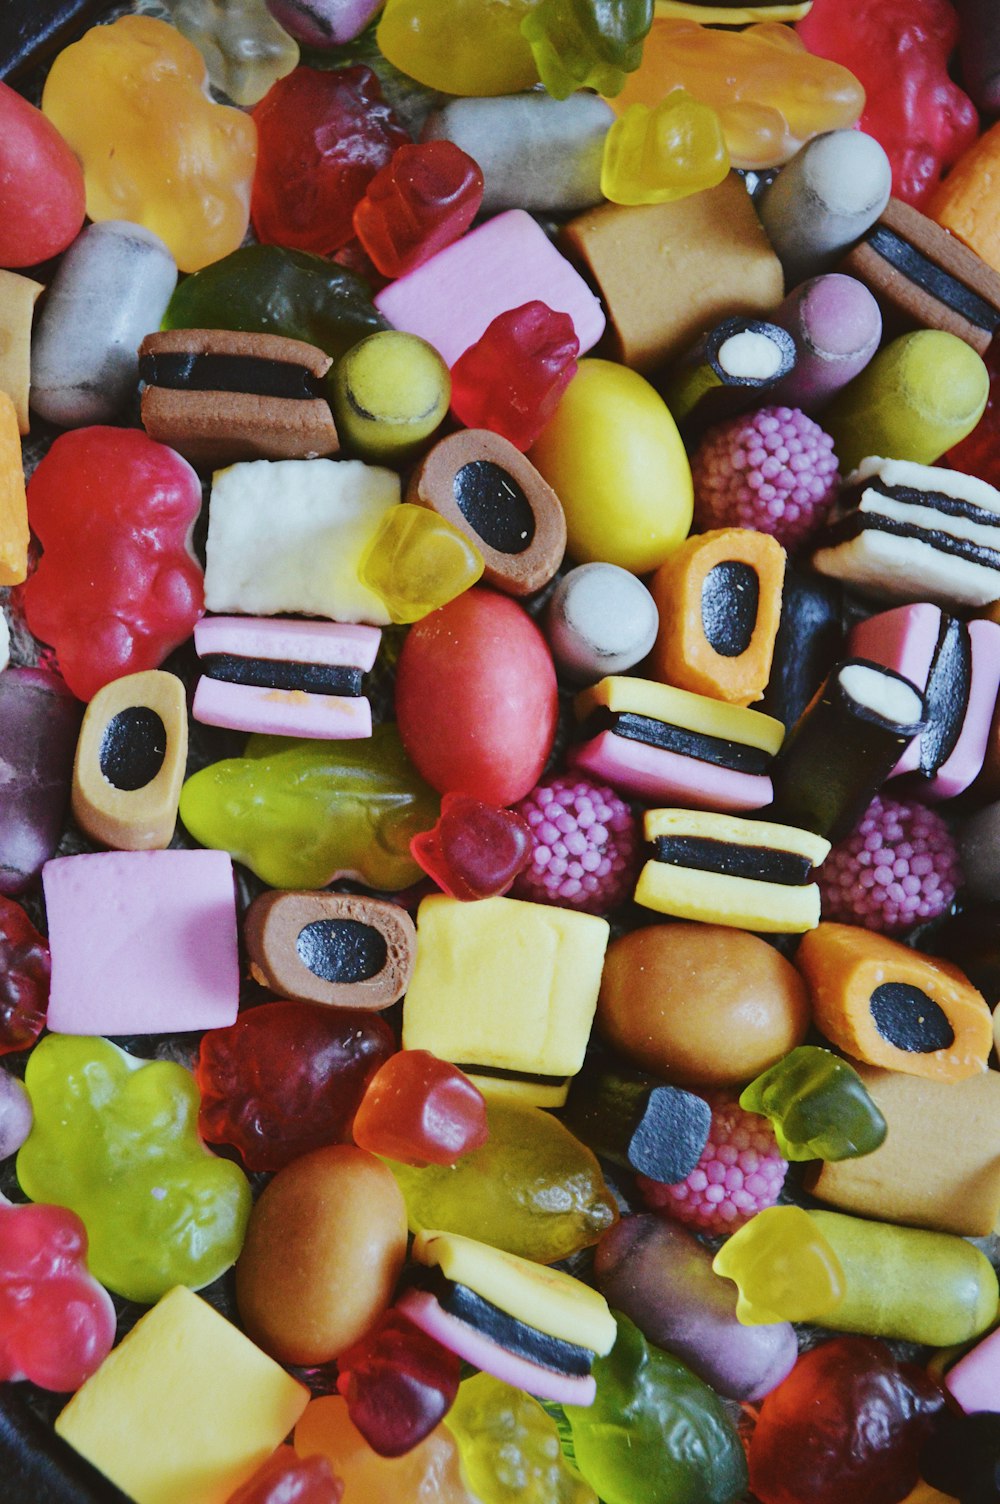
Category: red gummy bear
[117,588]
[57,1324]
[422,1111]
[475,850]
[426,197]
[848,1423]
[398,1383]
[286,1078]
[322,137]
[286,1478]
[511,379]
[25,967]
[899,51]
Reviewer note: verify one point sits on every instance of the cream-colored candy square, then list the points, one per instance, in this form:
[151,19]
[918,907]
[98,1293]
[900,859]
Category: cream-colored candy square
[184,1409]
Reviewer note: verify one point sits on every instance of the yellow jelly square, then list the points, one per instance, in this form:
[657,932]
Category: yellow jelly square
[184,1409]
[504,984]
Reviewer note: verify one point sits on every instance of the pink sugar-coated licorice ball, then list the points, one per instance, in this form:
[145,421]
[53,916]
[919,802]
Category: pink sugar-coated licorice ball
[773,470]
[898,868]
[586,845]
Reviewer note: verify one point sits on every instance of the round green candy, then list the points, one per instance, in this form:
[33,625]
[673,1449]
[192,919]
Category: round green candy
[389,393]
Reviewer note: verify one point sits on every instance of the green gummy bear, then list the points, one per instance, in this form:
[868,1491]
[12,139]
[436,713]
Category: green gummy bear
[301,813]
[115,1139]
[510,1447]
[532,1189]
[587,44]
[818,1106]
[655,1433]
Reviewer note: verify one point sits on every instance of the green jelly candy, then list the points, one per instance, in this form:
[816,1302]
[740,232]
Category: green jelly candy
[587,44]
[655,1433]
[818,1106]
[301,813]
[115,1139]
[532,1189]
[510,1447]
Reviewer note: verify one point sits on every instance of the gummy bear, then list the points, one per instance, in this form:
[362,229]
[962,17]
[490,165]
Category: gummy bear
[429,1474]
[475,850]
[130,99]
[818,1106]
[117,588]
[288,1479]
[25,967]
[510,1447]
[57,1324]
[323,137]
[398,1383]
[286,1078]
[512,378]
[899,51]
[655,1434]
[783,1267]
[459,46]
[654,156]
[115,1140]
[418,561]
[244,48]
[425,197]
[587,44]
[302,813]
[421,1111]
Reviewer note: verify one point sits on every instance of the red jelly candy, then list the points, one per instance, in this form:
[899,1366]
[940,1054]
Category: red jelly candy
[899,50]
[286,1478]
[426,197]
[322,137]
[57,1324]
[24,979]
[422,1111]
[476,698]
[398,1383]
[475,850]
[117,588]
[41,185]
[848,1423]
[511,379]
[286,1078]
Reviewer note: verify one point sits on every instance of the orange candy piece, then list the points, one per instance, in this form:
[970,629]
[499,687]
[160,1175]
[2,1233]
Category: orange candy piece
[966,203]
[430,1471]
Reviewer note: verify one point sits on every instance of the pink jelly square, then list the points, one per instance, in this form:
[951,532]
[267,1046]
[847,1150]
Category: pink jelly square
[143,942]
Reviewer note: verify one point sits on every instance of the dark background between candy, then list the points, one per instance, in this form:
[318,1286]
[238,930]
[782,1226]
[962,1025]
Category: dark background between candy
[36,1466]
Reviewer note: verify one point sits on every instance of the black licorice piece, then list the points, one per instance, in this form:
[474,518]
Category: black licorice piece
[933,279]
[252,375]
[946,694]
[341,950]
[962,1457]
[739,756]
[729,859]
[810,640]
[909,1019]
[506,1331]
[274,673]
[635,1120]
[133,747]
[730,597]
[843,747]
[38,1467]
[731,368]
[979,50]
[494,506]
[971,940]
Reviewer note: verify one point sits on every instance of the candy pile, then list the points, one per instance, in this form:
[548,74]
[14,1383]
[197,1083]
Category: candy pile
[503,686]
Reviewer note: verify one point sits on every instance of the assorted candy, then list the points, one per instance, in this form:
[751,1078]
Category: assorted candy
[506,984]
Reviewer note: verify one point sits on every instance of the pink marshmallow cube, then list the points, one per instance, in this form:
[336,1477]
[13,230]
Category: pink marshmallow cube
[974,1381]
[142,942]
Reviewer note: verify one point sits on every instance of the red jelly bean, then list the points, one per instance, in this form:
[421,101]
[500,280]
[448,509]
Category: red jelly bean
[422,1111]
[286,1478]
[475,850]
[25,967]
[426,197]
[511,379]
[286,1078]
[117,588]
[398,1383]
[322,137]
[476,698]
[41,185]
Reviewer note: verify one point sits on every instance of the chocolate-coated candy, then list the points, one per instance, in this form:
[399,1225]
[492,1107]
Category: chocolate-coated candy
[511,379]
[656,1130]
[425,197]
[398,1384]
[475,850]
[338,948]
[25,966]
[39,720]
[287,1078]
[420,1110]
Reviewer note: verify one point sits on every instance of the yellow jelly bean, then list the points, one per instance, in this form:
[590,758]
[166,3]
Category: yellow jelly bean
[783,1267]
[654,156]
[613,456]
[417,562]
[390,392]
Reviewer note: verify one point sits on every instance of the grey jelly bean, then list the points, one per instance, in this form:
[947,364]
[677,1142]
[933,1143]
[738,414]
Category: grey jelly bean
[600,620]
[111,289]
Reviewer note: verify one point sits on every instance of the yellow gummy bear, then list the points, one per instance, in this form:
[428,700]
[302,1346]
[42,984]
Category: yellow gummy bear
[783,1267]
[417,561]
[654,156]
[131,101]
[771,95]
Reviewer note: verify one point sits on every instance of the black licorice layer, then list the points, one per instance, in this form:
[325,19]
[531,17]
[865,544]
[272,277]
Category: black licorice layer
[909,1019]
[273,673]
[494,506]
[933,279]
[132,748]
[249,375]
[730,597]
[786,869]
[342,950]
[851,527]
[915,496]
[506,1331]
[946,697]
[739,756]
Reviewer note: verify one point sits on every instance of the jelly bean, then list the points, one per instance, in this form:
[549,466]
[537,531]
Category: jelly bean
[475,850]
[245,50]
[129,100]
[15,1114]
[41,185]
[420,1110]
[398,1384]
[425,197]
[25,967]
[457,46]
[39,723]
